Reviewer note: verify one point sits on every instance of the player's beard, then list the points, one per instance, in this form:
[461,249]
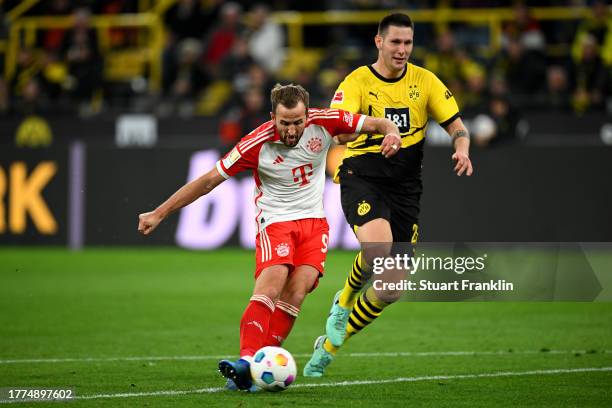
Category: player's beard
[290,141]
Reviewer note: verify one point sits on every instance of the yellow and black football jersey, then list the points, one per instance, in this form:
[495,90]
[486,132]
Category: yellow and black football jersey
[408,101]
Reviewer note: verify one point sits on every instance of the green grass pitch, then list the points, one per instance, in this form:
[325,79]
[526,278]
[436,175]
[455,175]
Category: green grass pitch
[145,327]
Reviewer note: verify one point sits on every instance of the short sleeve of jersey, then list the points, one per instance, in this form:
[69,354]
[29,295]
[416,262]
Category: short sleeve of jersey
[338,121]
[441,104]
[244,156]
[348,95]
[233,163]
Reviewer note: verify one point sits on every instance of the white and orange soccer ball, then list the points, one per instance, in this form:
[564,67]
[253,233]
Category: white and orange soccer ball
[273,368]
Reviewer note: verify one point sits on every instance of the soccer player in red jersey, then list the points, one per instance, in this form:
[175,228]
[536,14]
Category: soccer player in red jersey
[287,157]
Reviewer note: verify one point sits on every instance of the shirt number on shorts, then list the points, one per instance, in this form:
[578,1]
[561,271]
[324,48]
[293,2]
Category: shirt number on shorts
[324,241]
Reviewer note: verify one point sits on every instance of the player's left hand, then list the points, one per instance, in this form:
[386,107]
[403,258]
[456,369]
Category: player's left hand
[390,145]
[464,164]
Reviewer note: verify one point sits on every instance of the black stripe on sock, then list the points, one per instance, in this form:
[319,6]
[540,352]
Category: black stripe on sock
[356,282]
[359,317]
[371,306]
[363,310]
[356,263]
[352,285]
[354,324]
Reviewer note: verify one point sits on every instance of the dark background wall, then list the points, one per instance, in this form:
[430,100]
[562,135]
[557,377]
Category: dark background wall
[516,194]
[520,194]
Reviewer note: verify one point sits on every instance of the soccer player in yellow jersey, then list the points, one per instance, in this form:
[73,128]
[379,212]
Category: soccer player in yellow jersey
[380,197]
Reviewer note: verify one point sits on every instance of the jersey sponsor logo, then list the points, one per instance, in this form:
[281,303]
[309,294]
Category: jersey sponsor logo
[282,249]
[364,208]
[338,97]
[448,94]
[231,158]
[399,116]
[315,144]
[301,174]
[414,93]
[373,94]
[348,118]
[279,159]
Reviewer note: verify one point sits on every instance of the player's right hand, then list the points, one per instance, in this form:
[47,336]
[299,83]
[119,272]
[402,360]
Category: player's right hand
[147,222]
[390,145]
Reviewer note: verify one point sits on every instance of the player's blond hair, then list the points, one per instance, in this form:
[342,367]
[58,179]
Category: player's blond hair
[289,96]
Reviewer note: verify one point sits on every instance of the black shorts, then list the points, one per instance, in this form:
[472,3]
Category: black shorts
[367,198]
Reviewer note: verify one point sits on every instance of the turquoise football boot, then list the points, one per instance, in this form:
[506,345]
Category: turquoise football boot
[319,361]
[335,327]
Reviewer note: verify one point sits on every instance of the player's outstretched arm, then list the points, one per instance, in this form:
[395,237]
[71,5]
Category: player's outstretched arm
[147,222]
[383,126]
[461,142]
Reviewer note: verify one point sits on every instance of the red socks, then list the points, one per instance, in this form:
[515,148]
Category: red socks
[254,324]
[263,324]
[281,323]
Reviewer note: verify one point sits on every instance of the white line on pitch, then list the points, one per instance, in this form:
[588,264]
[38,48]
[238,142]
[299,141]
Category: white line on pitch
[366,382]
[381,354]
[459,377]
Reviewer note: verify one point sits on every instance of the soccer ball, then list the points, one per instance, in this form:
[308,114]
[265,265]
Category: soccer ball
[273,368]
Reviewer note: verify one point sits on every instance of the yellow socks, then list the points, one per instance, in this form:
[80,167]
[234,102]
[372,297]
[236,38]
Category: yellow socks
[353,285]
[366,310]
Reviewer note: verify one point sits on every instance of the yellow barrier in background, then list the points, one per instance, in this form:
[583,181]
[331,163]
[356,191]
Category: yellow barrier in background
[20,9]
[23,33]
[491,17]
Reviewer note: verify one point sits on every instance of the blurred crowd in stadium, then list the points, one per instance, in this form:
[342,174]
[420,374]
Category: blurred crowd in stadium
[222,58]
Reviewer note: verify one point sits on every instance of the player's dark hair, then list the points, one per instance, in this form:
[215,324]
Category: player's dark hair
[395,19]
[289,96]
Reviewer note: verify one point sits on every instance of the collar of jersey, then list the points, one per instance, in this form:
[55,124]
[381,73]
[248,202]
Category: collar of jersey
[382,78]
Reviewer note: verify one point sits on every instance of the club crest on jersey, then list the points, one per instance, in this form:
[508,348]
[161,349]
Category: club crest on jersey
[231,158]
[338,97]
[282,249]
[315,144]
[414,92]
[348,118]
[363,208]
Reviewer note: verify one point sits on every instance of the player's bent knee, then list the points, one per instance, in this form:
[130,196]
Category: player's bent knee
[376,230]
[388,296]
[374,250]
[271,281]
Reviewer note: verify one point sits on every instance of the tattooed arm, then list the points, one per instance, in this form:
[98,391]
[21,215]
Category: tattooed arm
[461,142]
